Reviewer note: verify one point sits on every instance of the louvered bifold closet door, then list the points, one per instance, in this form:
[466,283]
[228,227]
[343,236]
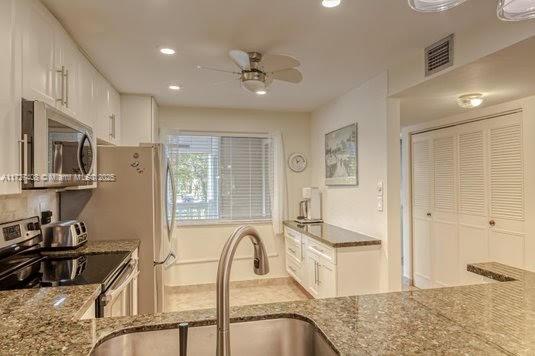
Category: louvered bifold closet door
[473,192]
[422,205]
[506,199]
[444,235]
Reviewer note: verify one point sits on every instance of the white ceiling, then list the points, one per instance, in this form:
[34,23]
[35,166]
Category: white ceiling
[503,76]
[339,48]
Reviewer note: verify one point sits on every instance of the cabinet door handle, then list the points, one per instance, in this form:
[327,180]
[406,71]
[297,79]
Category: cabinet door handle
[61,72]
[112,125]
[492,223]
[67,88]
[319,279]
[316,274]
[429,214]
[24,157]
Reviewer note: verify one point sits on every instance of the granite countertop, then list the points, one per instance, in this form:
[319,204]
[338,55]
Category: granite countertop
[45,321]
[493,318]
[97,247]
[333,236]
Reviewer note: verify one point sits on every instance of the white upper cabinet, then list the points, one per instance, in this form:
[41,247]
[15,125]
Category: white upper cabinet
[10,92]
[67,62]
[107,126]
[56,72]
[139,120]
[86,93]
[39,66]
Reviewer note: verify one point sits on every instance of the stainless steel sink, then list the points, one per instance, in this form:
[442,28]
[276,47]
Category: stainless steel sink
[277,337]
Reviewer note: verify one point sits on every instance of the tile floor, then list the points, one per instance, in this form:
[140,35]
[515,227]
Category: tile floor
[241,293]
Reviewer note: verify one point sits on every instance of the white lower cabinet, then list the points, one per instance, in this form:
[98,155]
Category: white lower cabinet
[321,276]
[327,272]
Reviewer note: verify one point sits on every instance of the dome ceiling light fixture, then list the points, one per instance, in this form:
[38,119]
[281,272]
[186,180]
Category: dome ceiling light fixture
[434,5]
[470,101]
[330,3]
[508,10]
[516,10]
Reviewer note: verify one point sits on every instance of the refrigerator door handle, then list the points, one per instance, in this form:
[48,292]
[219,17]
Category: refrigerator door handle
[171,177]
[169,256]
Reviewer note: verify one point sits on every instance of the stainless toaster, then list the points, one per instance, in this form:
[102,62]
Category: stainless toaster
[65,234]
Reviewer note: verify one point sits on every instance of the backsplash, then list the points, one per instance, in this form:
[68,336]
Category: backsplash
[27,204]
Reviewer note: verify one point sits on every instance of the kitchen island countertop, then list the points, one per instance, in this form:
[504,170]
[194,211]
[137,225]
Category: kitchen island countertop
[493,318]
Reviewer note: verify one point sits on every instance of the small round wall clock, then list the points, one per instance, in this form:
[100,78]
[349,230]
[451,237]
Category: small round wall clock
[297,162]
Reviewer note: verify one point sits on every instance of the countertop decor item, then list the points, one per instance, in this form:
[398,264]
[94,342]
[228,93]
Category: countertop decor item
[297,162]
[341,156]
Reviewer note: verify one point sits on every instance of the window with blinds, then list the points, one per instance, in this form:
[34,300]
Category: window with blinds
[222,177]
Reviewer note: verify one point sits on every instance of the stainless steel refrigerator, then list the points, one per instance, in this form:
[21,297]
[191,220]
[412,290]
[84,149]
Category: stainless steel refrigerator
[140,204]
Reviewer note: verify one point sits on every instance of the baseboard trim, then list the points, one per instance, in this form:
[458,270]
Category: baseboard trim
[214,259]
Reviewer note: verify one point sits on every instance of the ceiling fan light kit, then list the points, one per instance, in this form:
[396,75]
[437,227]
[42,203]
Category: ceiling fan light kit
[257,71]
[516,10]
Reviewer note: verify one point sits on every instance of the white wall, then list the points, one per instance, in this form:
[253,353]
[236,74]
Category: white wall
[355,208]
[28,204]
[470,45]
[528,107]
[199,246]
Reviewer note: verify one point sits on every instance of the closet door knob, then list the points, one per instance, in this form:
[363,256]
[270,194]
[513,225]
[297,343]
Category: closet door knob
[492,223]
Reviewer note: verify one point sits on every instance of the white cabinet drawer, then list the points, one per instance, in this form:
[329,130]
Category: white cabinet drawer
[294,248]
[322,250]
[296,269]
[289,233]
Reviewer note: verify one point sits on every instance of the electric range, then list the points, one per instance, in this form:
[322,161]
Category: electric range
[23,265]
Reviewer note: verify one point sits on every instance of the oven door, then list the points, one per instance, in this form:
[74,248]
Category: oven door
[120,299]
[58,151]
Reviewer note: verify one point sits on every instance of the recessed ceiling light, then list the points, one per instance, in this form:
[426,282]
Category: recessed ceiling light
[516,10]
[168,51]
[261,92]
[469,101]
[330,3]
[434,5]
[174,87]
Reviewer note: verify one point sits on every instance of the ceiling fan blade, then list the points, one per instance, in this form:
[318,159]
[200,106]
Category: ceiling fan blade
[277,62]
[241,59]
[228,81]
[217,70]
[288,75]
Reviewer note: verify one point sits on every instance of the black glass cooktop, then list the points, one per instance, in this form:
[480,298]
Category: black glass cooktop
[32,271]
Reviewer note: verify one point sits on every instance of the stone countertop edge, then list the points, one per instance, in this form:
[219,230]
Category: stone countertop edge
[96,247]
[359,238]
[496,271]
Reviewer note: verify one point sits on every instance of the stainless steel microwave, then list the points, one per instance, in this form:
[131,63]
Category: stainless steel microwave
[57,151]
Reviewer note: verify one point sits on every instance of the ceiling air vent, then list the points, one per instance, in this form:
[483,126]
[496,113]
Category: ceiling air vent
[439,56]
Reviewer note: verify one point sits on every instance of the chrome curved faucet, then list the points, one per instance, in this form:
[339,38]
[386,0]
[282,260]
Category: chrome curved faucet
[260,266]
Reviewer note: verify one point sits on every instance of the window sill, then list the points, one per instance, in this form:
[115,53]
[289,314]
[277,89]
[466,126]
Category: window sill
[202,223]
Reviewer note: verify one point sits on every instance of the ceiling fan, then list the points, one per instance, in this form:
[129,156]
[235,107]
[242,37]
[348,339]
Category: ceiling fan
[257,71]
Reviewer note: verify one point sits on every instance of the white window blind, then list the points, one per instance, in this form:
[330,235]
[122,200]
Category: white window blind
[222,177]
